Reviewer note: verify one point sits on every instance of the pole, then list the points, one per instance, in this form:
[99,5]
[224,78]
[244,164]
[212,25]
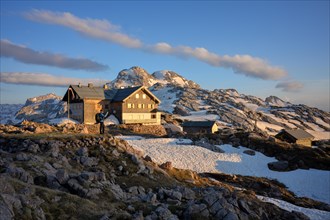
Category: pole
[68,103]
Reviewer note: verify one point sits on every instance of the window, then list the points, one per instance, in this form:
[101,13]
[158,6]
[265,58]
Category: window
[144,96]
[153,116]
[133,106]
[129,105]
[149,105]
[106,106]
[143,105]
[137,96]
[139,106]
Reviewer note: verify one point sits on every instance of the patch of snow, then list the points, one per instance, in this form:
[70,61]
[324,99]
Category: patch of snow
[179,81]
[321,122]
[62,121]
[199,116]
[160,74]
[52,115]
[290,114]
[232,92]
[313,214]
[319,135]
[8,112]
[111,120]
[249,105]
[264,125]
[130,138]
[167,97]
[314,126]
[309,183]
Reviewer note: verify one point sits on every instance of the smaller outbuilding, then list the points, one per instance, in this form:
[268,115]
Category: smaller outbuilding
[297,136]
[202,127]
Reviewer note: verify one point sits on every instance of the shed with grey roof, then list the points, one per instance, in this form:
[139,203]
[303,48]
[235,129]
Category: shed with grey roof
[297,136]
[204,127]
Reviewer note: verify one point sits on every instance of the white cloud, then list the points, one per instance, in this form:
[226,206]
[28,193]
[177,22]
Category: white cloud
[242,64]
[27,55]
[45,79]
[101,29]
[290,86]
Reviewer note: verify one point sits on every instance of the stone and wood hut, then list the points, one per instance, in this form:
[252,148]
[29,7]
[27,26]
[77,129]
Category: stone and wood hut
[201,127]
[297,136]
[134,105]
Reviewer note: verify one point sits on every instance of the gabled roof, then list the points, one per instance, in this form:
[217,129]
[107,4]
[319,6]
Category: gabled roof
[298,134]
[198,123]
[113,95]
[85,92]
[122,94]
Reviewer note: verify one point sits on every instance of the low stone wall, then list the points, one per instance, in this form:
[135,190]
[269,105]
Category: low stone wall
[157,130]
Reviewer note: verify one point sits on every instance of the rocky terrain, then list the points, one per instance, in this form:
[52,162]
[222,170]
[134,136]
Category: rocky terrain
[61,174]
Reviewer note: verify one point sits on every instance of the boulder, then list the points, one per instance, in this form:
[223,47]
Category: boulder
[62,176]
[180,110]
[250,152]
[166,166]
[278,165]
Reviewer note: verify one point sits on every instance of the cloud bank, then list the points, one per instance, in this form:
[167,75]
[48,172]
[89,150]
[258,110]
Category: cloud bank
[45,79]
[104,30]
[27,55]
[290,86]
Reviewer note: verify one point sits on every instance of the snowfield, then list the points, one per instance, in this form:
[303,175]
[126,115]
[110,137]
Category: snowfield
[313,214]
[304,183]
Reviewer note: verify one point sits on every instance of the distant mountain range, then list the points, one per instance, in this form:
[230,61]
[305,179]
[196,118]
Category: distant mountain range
[188,101]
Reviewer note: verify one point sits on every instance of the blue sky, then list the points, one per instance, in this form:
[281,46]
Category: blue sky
[260,48]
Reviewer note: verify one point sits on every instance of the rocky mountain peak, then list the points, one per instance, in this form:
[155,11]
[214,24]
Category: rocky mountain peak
[137,76]
[42,109]
[51,97]
[171,77]
[276,101]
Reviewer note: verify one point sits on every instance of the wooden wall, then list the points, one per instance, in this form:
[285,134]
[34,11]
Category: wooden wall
[140,104]
[77,111]
[91,108]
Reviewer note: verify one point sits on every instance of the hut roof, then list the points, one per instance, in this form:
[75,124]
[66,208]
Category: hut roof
[198,123]
[114,95]
[298,134]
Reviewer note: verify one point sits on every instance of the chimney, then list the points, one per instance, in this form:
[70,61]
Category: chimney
[90,85]
[105,86]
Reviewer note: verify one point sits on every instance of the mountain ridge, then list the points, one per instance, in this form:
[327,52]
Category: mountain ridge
[188,101]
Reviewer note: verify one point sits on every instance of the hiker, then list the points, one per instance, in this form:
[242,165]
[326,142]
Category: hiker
[101,117]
